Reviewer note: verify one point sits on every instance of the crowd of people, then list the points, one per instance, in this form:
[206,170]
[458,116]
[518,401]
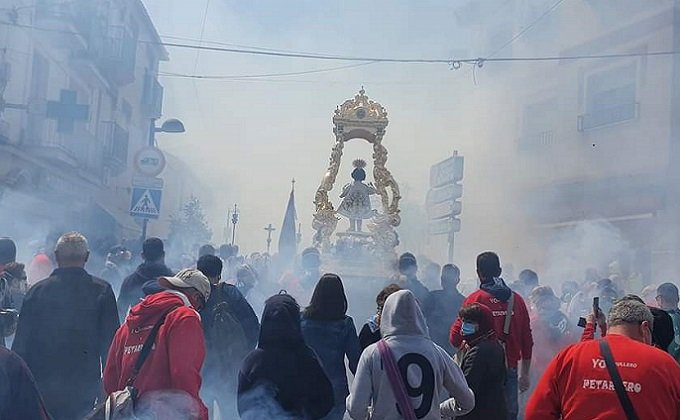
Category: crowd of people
[163,344]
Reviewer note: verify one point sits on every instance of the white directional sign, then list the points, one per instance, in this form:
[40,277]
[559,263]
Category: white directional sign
[444,226]
[449,192]
[447,172]
[445,209]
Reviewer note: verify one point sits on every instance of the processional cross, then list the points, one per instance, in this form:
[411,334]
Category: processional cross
[269,230]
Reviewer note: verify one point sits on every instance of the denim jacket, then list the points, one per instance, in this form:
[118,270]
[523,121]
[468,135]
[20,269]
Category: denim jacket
[332,341]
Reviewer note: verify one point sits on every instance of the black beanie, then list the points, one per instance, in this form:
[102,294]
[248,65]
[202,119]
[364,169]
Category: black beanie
[8,251]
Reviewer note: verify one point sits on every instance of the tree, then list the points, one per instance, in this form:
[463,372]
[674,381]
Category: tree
[189,228]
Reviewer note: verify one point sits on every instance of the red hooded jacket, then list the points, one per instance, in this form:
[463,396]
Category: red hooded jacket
[577,385]
[177,356]
[519,343]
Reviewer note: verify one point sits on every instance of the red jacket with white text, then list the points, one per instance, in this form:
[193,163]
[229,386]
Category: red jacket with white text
[519,343]
[175,362]
[577,385]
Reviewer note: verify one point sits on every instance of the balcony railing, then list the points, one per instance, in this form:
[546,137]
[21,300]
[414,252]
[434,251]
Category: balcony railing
[152,100]
[116,148]
[70,14]
[607,116]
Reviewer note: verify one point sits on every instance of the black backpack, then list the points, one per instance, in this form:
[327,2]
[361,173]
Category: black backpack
[225,339]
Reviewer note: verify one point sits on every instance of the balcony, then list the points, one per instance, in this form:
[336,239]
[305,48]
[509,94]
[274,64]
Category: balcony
[113,49]
[607,116]
[152,98]
[55,153]
[69,22]
[116,148]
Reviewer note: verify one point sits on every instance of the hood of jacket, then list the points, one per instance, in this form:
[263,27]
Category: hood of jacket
[486,327]
[401,315]
[497,288]
[152,270]
[280,325]
[152,307]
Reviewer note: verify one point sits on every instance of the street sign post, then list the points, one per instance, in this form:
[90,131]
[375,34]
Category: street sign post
[149,162]
[444,226]
[145,201]
[443,205]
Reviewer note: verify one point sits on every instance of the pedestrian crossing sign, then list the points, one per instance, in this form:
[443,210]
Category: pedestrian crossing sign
[145,203]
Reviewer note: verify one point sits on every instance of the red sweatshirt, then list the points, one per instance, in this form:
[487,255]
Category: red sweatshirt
[177,357]
[577,385]
[519,344]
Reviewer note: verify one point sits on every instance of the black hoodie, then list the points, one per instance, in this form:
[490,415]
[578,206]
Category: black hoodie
[283,378]
[131,290]
[497,288]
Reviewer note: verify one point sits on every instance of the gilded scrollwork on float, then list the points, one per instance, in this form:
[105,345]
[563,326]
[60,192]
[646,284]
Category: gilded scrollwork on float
[365,119]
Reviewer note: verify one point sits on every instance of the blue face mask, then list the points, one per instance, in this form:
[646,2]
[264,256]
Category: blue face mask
[468,328]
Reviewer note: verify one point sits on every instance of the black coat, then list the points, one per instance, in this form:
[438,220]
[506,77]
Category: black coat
[65,329]
[441,310]
[238,306]
[19,396]
[367,336]
[131,289]
[484,369]
[283,377]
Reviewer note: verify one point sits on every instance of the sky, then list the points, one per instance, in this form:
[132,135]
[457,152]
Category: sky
[247,139]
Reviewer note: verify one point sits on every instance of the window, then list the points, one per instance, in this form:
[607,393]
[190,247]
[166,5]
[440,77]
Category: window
[40,73]
[538,125]
[152,96]
[611,97]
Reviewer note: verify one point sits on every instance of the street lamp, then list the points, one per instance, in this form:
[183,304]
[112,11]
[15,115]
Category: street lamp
[171,125]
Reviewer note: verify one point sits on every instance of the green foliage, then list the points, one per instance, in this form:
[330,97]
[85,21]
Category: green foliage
[190,228]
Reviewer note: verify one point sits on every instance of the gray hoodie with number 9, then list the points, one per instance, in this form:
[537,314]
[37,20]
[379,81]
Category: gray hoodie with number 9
[435,384]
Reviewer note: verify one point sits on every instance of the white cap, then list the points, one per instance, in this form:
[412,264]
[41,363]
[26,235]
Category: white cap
[190,278]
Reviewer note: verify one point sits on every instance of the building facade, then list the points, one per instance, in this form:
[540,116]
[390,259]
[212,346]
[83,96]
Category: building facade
[79,89]
[590,140]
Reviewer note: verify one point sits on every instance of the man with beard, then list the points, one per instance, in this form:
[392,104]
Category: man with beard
[152,268]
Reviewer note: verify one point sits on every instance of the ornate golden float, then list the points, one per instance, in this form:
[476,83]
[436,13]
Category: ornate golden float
[360,118]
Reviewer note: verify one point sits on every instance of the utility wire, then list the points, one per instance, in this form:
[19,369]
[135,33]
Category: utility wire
[256,76]
[225,44]
[453,62]
[527,28]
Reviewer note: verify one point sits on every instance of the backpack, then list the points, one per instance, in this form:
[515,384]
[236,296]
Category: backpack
[226,342]
[120,405]
[674,347]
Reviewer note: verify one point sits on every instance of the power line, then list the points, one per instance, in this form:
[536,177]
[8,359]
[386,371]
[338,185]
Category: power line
[309,56]
[527,28]
[477,62]
[234,45]
[255,76]
[453,62]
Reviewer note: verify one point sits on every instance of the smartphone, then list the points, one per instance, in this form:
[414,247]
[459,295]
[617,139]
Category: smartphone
[582,322]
